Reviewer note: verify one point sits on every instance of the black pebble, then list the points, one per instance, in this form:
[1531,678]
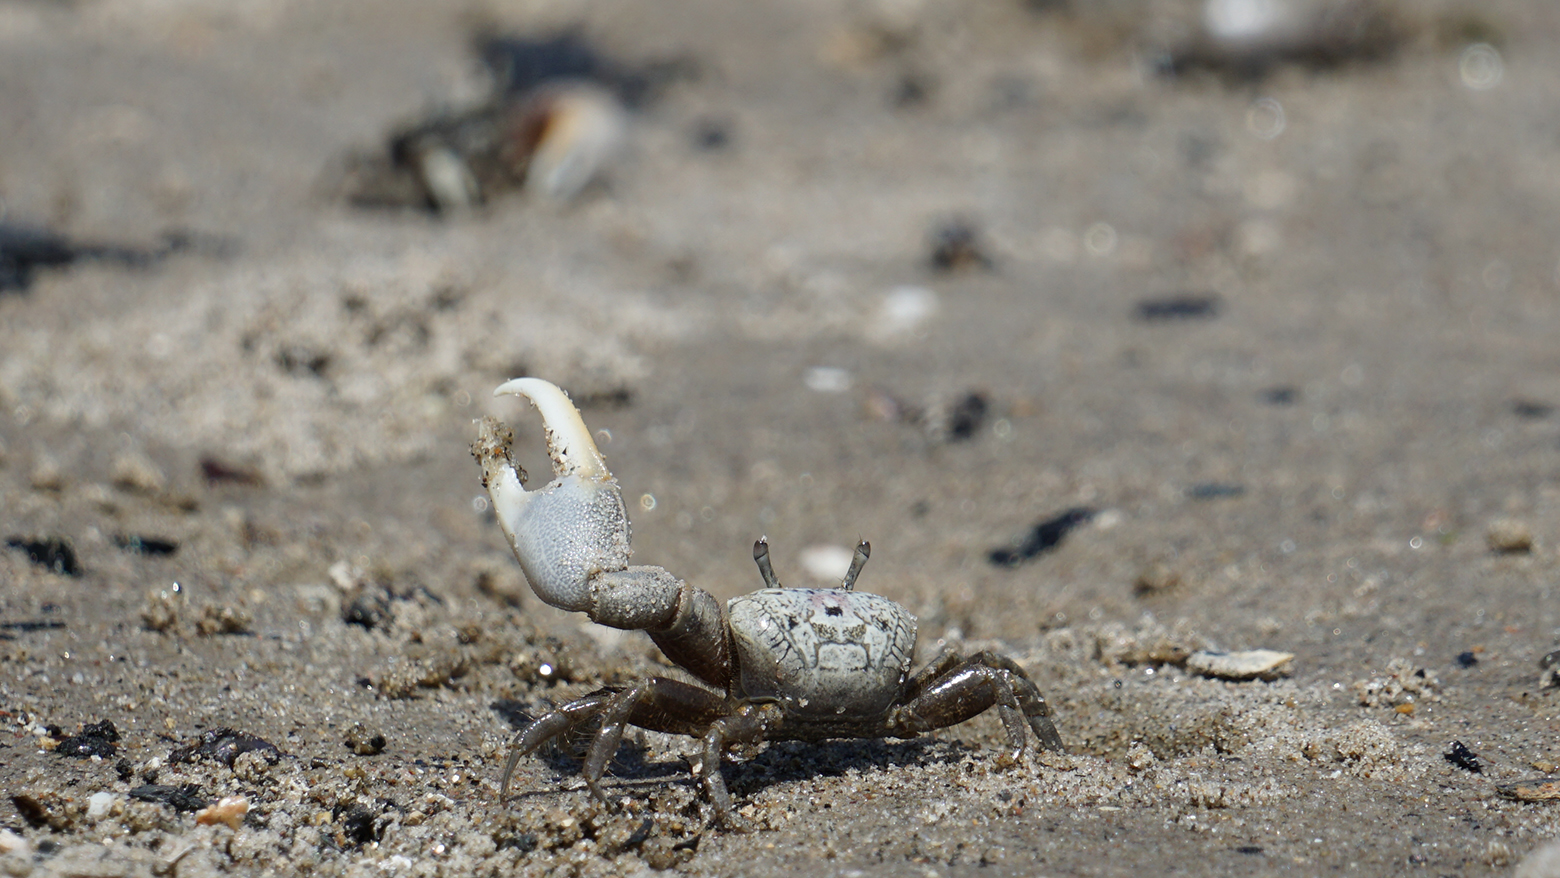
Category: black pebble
[1215,491]
[1460,756]
[1042,538]
[357,824]
[525,842]
[1523,408]
[1280,396]
[24,250]
[956,245]
[368,609]
[711,135]
[217,470]
[97,739]
[966,416]
[225,745]
[139,545]
[27,626]
[912,90]
[181,798]
[1178,306]
[53,553]
[1466,659]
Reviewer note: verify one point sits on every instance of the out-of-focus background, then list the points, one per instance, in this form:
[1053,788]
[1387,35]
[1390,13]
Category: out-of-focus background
[1138,337]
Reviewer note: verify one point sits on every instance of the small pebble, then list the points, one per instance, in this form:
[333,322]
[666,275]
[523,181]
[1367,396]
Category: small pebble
[181,798]
[1043,537]
[956,245]
[137,544]
[904,312]
[1264,664]
[47,475]
[229,810]
[96,739]
[135,472]
[224,745]
[1279,396]
[1509,536]
[364,741]
[216,470]
[1215,490]
[99,805]
[1156,577]
[1459,755]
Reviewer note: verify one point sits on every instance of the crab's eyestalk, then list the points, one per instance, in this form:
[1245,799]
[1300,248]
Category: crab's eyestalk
[765,568]
[576,526]
[863,552]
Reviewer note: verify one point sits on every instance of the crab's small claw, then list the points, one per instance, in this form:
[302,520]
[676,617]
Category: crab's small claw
[576,526]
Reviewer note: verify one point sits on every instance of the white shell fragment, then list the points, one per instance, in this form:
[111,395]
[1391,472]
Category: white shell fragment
[1264,664]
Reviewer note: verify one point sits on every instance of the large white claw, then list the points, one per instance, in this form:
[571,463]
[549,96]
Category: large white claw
[576,526]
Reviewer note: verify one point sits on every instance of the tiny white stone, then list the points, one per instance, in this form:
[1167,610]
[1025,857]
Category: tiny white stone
[828,379]
[99,805]
[904,312]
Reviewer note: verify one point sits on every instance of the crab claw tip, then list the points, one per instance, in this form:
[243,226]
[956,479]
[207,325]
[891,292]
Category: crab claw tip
[569,442]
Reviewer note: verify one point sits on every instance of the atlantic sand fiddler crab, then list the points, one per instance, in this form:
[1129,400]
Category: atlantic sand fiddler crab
[779,664]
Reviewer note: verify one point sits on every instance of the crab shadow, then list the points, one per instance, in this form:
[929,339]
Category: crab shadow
[776,762]
[782,762]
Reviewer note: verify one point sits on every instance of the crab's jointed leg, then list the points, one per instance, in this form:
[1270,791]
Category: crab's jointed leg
[953,689]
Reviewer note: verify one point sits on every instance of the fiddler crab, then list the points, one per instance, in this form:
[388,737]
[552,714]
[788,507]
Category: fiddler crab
[799,664]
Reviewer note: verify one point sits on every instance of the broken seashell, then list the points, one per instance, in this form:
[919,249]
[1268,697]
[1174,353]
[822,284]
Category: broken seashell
[1264,664]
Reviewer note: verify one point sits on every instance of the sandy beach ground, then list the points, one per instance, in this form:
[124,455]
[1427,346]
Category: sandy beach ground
[1284,339]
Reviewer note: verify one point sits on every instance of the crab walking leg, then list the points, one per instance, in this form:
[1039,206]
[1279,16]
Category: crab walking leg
[751,723]
[552,725]
[658,704]
[965,688]
[1030,700]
